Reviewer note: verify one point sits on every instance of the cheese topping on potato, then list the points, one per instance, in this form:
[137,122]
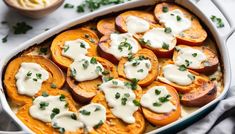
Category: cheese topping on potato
[136,25]
[120,97]
[160,38]
[75,49]
[176,20]
[92,115]
[137,68]
[178,74]
[157,99]
[190,57]
[85,69]
[45,108]
[68,121]
[122,45]
[30,77]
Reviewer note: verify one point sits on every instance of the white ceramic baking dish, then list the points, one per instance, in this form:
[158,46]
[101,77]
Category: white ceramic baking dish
[202,8]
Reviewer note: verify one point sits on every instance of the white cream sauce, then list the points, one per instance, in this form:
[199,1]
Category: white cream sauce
[42,107]
[136,68]
[120,98]
[176,20]
[84,69]
[92,115]
[75,49]
[67,120]
[136,25]
[32,4]
[150,98]
[157,37]
[29,78]
[122,44]
[190,57]
[174,74]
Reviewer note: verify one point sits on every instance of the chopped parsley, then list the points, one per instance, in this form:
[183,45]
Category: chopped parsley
[99,124]
[164,9]
[80,9]
[141,57]
[21,28]
[82,45]
[98,69]
[85,64]
[106,79]
[29,74]
[62,97]
[85,112]
[130,57]
[194,54]
[105,72]
[115,82]
[68,5]
[97,109]
[53,85]
[136,102]
[218,21]
[124,44]
[142,41]
[167,30]
[74,116]
[43,105]
[157,104]
[135,63]
[182,68]
[192,77]
[55,111]
[178,18]
[140,70]
[165,46]
[123,101]
[66,48]
[39,76]
[157,92]
[147,65]
[45,94]
[4,39]
[73,72]
[134,84]
[164,99]
[188,63]
[117,95]
[93,60]
[127,95]
[43,50]
[34,79]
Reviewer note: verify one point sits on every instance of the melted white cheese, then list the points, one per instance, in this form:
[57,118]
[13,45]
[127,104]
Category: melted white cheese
[30,77]
[136,25]
[44,113]
[122,44]
[136,68]
[92,115]
[75,49]
[157,37]
[122,106]
[150,97]
[83,69]
[172,73]
[67,120]
[190,56]
[176,20]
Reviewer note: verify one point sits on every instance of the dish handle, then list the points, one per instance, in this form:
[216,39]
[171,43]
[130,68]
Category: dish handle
[211,8]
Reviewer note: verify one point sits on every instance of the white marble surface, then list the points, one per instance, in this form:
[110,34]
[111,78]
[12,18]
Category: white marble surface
[62,15]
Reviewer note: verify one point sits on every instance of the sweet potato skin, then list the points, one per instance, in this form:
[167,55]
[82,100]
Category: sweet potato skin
[152,73]
[106,26]
[38,126]
[120,20]
[86,90]
[58,43]
[212,61]
[193,36]
[113,124]
[103,46]
[163,119]
[56,77]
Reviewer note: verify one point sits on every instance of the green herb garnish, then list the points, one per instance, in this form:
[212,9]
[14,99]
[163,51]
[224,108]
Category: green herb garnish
[117,95]
[74,116]
[165,46]
[62,97]
[164,9]
[4,39]
[43,105]
[164,99]
[93,60]
[21,28]
[167,30]
[182,68]
[136,102]
[99,124]
[68,5]
[85,112]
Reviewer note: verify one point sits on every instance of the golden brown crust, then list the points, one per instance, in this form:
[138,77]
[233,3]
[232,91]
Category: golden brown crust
[193,36]
[154,66]
[56,77]
[81,33]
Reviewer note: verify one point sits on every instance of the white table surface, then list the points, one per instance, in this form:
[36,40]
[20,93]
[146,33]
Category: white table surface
[62,15]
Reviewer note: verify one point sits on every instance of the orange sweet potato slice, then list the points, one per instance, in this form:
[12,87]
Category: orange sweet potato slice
[160,119]
[200,81]
[207,67]
[56,77]
[193,36]
[152,73]
[38,126]
[103,47]
[86,90]
[81,33]
[106,26]
[121,19]
[114,124]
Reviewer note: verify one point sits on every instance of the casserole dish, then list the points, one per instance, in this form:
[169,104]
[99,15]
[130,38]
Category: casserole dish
[198,8]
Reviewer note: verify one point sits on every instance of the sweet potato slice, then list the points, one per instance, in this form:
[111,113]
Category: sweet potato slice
[207,67]
[56,77]
[114,124]
[86,90]
[120,20]
[38,126]
[81,33]
[106,26]
[103,47]
[200,81]
[152,73]
[160,119]
[193,36]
